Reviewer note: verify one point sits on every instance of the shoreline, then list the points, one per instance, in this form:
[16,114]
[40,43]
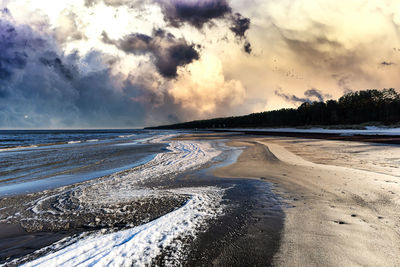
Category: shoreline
[337,214]
[380,139]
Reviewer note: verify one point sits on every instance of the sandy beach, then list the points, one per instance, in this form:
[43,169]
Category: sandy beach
[343,198]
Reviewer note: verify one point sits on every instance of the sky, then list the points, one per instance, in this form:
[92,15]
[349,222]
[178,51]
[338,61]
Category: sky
[126,63]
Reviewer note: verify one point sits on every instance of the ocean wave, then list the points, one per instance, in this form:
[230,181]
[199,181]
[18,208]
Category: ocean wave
[17,148]
[127,136]
[73,142]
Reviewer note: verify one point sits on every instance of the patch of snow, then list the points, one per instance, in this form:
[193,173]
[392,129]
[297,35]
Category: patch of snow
[140,245]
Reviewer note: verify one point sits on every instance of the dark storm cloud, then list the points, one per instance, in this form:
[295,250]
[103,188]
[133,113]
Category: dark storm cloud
[196,13]
[247,47]
[310,96]
[240,25]
[199,13]
[41,87]
[12,54]
[55,63]
[168,52]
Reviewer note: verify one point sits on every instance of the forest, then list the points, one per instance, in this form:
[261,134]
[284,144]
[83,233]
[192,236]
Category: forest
[380,107]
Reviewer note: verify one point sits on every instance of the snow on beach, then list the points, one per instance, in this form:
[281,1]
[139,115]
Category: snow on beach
[140,245]
[181,157]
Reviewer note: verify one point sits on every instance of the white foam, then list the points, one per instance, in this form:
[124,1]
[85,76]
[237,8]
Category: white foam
[127,136]
[127,144]
[18,148]
[140,245]
[74,142]
[183,155]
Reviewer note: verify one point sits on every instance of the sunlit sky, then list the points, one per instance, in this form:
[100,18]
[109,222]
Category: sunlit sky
[120,63]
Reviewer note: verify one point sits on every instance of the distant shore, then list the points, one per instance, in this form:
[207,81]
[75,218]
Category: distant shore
[356,136]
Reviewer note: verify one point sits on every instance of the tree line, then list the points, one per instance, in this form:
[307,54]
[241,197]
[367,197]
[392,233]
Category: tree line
[378,106]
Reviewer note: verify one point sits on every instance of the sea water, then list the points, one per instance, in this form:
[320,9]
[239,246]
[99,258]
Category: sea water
[36,160]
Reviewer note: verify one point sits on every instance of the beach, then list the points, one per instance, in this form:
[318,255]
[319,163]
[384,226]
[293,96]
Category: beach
[221,199]
[343,196]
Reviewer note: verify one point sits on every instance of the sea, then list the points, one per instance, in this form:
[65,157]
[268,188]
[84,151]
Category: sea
[37,160]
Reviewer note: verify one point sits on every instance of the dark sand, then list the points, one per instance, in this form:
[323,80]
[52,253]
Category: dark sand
[16,242]
[248,234]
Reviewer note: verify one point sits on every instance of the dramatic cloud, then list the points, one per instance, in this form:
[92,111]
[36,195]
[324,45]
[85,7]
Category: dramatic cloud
[200,12]
[42,88]
[169,53]
[13,50]
[291,98]
[247,47]
[68,29]
[205,91]
[55,63]
[240,25]
[239,28]
[311,95]
[316,93]
[127,63]
[195,12]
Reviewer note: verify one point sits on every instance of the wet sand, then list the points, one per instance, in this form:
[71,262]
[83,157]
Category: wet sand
[249,232]
[339,215]
[16,242]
